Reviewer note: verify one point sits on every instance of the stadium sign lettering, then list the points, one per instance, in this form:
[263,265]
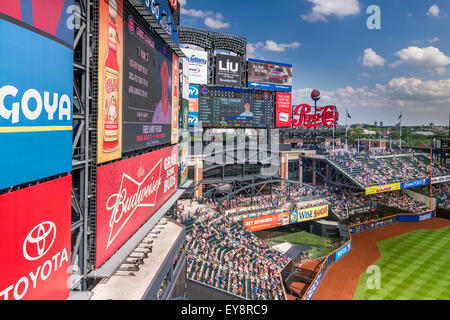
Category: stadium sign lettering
[50,102]
[36,245]
[131,196]
[327,116]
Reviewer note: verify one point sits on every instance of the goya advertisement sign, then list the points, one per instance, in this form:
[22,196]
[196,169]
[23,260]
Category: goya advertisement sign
[110,80]
[128,193]
[35,242]
[36,90]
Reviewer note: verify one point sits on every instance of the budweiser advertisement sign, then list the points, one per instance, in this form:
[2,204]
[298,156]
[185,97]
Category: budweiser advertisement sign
[128,193]
[35,242]
[327,116]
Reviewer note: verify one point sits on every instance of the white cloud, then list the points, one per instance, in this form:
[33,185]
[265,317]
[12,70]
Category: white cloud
[194,13]
[372,59]
[323,8]
[211,19]
[413,96]
[216,22]
[433,11]
[182,3]
[269,45]
[429,57]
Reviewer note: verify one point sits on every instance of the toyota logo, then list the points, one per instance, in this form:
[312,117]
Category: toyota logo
[39,241]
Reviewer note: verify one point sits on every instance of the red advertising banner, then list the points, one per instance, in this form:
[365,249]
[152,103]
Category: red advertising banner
[327,116]
[128,193]
[267,222]
[283,109]
[35,242]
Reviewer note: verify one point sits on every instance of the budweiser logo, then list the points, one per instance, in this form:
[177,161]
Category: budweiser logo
[131,196]
[327,116]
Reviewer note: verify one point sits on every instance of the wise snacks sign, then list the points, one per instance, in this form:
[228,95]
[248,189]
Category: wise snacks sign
[35,242]
[128,193]
[302,116]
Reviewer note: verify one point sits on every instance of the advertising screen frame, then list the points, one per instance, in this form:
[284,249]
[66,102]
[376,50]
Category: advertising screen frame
[144,184]
[264,84]
[36,241]
[198,65]
[226,73]
[37,77]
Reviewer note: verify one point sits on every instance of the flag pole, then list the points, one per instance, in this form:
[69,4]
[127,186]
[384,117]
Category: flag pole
[346,128]
[400,131]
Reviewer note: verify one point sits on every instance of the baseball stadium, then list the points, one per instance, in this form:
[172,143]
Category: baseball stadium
[148,159]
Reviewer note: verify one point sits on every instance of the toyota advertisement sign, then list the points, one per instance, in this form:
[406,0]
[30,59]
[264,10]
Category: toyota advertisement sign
[36,90]
[128,193]
[35,242]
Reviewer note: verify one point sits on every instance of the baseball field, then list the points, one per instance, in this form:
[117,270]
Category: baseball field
[413,266]
[412,259]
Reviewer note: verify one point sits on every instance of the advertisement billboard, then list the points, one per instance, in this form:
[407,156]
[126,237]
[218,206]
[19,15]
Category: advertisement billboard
[266,222]
[384,188]
[198,66]
[233,107]
[175,97]
[343,250]
[110,80]
[415,183]
[184,158]
[228,70]
[36,90]
[184,115]
[128,193]
[415,217]
[193,104]
[327,116]
[283,111]
[296,216]
[35,242]
[148,87]
[185,80]
[269,75]
[440,179]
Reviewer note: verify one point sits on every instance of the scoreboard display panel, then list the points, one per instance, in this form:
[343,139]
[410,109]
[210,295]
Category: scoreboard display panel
[235,108]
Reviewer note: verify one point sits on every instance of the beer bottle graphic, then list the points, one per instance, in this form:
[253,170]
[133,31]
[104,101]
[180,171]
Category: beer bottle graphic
[111,85]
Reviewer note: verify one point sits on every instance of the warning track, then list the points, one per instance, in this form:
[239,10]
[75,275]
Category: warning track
[341,278]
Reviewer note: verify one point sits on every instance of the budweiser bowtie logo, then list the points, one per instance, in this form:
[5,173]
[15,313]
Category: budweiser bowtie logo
[327,116]
[131,196]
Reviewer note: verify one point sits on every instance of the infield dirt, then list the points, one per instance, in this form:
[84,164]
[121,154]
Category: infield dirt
[341,279]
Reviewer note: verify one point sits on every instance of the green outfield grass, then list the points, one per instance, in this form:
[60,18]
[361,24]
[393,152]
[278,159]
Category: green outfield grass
[413,266]
[303,237]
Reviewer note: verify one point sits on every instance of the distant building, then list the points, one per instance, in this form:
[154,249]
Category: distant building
[424,133]
[375,123]
[381,124]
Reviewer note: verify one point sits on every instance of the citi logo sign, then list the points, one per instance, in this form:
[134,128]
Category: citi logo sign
[228,66]
[39,241]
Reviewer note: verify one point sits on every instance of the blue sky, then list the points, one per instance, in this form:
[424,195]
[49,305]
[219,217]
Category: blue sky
[376,74]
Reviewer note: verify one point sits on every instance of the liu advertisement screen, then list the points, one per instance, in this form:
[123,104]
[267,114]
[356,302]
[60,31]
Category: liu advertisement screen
[128,193]
[269,75]
[148,86]
[35,242]
[36,90]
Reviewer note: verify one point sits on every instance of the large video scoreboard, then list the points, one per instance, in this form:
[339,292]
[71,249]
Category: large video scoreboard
[233,107]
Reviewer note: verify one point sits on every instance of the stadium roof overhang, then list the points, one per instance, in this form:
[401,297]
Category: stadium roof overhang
[150,19]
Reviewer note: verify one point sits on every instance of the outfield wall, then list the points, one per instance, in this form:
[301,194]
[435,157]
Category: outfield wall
[358,228]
